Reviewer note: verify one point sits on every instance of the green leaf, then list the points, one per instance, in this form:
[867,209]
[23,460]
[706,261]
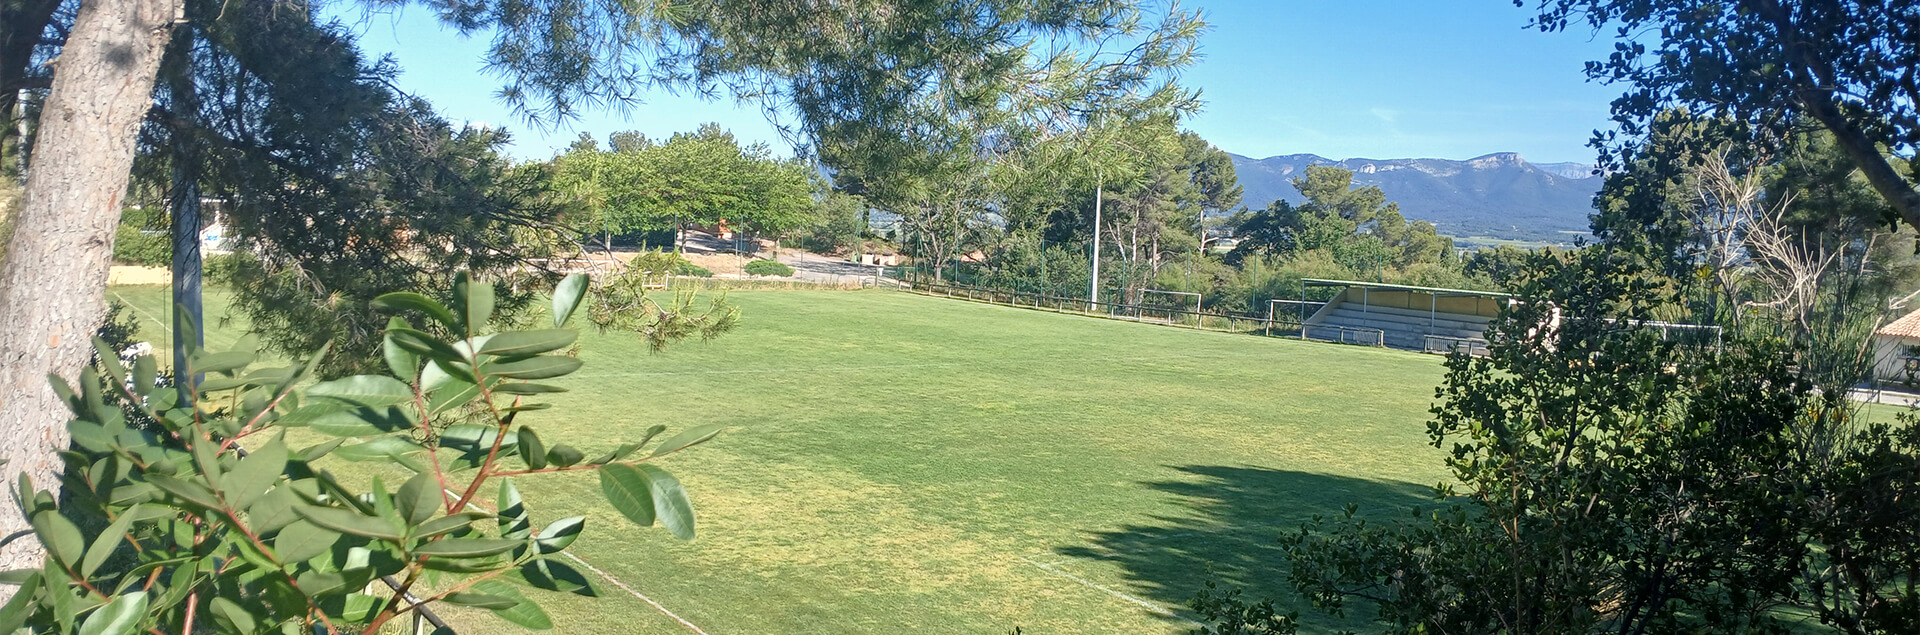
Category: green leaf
[670,501]
[467,547]
[409,301]
[521,388]
[219,362]
[418,500]
[363,390]
[302,541]
[105,544]
[447,524]
[118,617]
[473,300]
[65,392]
[20,607]
[186,490]
[232,616]
[542,367]
[481,601]
[275,510]
[451,394]
[206,456]
[560,533]
[378,448]
[314,452]
[512,519]
[256,474]
[531,450]
[63,607]
[471,439]
[62,538]
[110,360]
[564,456]
[355,422]
[554,575]
[526,613]
[318,583]
[523,343]
[625,449]
[348,521]
[629,491]
[428,345]
[355,607]
[566,297]
[90,436]
[400,361]
[144,370]
[688,438]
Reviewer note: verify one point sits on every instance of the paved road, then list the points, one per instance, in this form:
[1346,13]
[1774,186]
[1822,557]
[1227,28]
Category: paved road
[814,267]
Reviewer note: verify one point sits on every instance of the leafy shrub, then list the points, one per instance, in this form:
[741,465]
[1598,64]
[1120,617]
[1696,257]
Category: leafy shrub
[656,262]
[221,269]
[768,268]
[134,243]
[268,540]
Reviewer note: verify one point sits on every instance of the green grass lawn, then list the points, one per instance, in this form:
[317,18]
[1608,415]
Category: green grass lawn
[899,463]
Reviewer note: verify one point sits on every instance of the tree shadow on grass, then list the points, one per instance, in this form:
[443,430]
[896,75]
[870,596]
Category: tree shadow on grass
[1231,535]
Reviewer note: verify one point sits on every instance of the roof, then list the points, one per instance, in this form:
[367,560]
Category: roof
[1907,326]
[1316,282]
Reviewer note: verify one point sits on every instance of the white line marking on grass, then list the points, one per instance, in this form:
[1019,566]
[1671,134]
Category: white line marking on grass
[833,369]
[165,329]
[616,581]
[623,586]
[1149,605]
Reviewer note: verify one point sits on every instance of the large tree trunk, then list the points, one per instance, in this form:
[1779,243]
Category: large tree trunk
[52,283]
[183,206]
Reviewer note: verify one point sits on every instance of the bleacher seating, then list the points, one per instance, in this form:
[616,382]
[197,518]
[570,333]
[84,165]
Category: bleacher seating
[1398,328]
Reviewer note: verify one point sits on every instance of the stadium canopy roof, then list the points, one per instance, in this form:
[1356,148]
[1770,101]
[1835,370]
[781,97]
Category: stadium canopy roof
[1316,282]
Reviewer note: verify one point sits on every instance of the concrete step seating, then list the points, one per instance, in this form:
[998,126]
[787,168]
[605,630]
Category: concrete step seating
[1402,328]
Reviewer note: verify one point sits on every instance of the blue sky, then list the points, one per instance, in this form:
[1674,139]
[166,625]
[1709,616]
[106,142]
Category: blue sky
[1377,79]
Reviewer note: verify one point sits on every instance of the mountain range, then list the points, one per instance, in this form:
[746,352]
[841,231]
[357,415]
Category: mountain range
[1483,200]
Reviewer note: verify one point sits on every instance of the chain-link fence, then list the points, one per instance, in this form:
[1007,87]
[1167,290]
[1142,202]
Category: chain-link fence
[1160,310]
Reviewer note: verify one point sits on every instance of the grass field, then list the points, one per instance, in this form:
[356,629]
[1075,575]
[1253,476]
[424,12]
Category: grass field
[907,464]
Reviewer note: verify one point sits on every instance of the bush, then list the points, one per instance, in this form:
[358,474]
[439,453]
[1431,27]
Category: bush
[267,540]
[220,269]
[684,268]
[134,245]
[768,268]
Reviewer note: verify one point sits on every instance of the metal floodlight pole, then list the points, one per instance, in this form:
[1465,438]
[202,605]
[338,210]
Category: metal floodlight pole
[1093,290]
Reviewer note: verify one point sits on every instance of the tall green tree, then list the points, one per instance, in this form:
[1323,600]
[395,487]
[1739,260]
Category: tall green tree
[702,177]
[1846,67]
[1357,225]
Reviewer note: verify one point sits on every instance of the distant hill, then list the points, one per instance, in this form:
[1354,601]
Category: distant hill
[1497,196]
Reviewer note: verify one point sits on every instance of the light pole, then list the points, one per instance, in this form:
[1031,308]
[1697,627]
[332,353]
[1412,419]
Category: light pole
[1093,290]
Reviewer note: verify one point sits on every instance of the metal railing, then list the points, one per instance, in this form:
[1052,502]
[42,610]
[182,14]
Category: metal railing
[1474,346]
[1344,334]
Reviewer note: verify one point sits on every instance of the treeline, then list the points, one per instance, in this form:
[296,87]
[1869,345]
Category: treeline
[1163,224]
[647,193]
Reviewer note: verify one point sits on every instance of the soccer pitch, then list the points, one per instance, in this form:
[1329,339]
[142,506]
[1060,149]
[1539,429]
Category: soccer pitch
[897,463]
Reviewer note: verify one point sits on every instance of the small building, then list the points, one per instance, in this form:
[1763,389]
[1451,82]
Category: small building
[1403,316]
[1896,352]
